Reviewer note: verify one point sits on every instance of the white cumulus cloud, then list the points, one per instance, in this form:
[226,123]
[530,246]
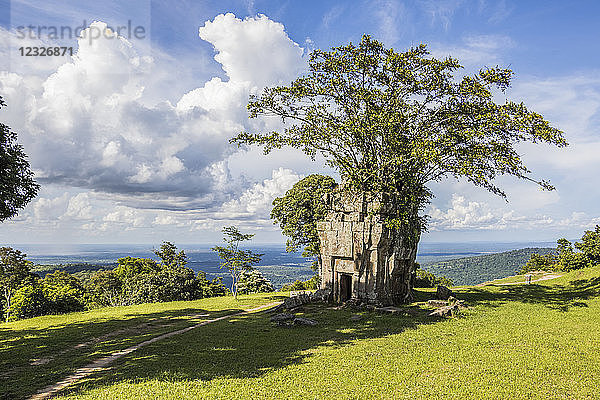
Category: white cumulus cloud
[88,124]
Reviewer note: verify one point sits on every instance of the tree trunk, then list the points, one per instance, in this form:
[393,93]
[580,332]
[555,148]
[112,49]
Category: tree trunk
[8,298]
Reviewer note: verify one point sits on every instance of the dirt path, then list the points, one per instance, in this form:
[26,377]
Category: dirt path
[104,362]
[543,278]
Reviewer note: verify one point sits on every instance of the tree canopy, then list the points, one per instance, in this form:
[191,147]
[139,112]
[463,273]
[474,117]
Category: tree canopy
[299,210]
[17,186]
[393,121]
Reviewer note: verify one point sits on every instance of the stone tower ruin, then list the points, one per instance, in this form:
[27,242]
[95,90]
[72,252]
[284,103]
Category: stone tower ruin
[362,258]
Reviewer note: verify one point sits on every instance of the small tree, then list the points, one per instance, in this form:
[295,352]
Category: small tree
[298,212]
[568,259]
[14,273]
[233,258]
[17,186]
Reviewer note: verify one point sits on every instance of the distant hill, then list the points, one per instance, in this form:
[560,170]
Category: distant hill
[478,269]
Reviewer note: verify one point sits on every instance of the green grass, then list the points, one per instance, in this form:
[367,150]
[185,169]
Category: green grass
[522,278]
[63,343]
[537,341]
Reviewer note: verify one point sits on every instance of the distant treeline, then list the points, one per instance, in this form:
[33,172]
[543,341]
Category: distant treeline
[478,269]
[72,268]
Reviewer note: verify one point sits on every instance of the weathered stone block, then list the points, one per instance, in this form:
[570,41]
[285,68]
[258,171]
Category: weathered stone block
[345,265]
[356,241]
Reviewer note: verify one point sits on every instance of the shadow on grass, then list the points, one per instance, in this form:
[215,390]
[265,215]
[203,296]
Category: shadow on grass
[240,347]
[31,359]
[555,296]
[249,346]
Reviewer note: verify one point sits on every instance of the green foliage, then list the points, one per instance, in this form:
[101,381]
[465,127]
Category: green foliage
[253,281]
[14,273]
[233,258]
[473,270]
[169,256]
[211,288]
[128,267]
[568,259]
[17,186]
[392,122]
[539,262]
[590,245]
[64,292]
[143,280]
[105,290]
[167,285]
[29,301]
[425,279]
[56,293]
[299,210]
[71,268]
[132,281]
[311,284]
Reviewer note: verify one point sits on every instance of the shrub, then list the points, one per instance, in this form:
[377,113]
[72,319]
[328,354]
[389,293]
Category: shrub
[128,267]
[166,285]
[311,284]
[570,261]
[105,289]
[425,279]
[63,292]
[212,288]
[29,301]
[253,281]
[538,262]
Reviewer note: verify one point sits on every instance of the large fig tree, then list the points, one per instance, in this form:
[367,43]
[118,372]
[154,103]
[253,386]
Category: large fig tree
[392,122]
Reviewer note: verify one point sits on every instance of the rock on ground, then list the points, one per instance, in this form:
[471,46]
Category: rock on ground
[443,293]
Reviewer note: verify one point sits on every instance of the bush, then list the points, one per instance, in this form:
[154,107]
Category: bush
[425,279]
[253,281]
[538,262]
[29,301]
[104,290]
[166,285]
[570,261]
[128,267]
[64,292]
[311,284]
[214,288]
[57,293]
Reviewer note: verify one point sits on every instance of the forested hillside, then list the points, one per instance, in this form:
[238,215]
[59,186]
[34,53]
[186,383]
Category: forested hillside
[478,269]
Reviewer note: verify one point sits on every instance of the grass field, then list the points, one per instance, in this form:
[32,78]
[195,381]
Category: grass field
[536,341]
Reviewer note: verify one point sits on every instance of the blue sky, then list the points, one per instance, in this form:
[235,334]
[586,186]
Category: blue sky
[129,137]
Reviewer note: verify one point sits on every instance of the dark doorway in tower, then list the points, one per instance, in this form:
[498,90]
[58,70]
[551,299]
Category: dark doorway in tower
[345,287]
